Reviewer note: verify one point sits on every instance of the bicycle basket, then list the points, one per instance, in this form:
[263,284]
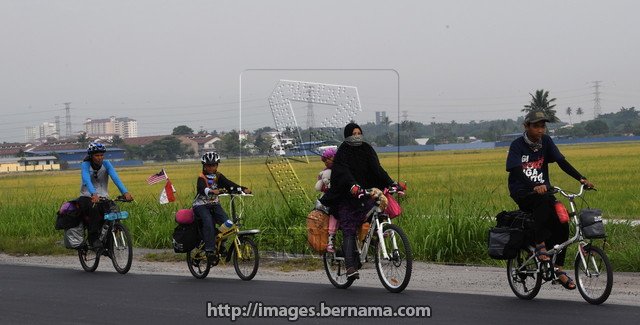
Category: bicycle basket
[317,230]
[591,223]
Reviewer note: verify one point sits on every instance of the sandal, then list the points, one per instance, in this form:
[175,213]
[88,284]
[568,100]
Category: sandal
[569,284]
[541,253]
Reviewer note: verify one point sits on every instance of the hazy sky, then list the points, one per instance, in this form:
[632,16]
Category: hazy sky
[167,63]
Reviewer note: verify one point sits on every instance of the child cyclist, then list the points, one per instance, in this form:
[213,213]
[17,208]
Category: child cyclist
[206,205]
[322,185]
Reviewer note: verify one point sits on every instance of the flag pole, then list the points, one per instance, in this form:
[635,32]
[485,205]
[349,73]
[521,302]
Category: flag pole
[165,173]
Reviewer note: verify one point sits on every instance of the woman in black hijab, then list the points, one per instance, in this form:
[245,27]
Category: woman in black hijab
[355,168]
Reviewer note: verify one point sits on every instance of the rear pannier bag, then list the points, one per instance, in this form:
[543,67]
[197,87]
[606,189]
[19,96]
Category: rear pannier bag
[591,223]
[513,231]
[185,237]
[505,242]
[74,237]
[68,216]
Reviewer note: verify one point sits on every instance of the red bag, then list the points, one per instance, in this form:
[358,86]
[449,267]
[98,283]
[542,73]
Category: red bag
[393,207]
[184,216]
[562,213]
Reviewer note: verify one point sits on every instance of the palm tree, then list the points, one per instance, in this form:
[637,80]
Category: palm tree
[542,102]
[569,113]
[579,111]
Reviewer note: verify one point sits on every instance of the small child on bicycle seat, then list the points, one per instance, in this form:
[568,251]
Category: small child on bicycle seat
[95,172]
[527,164]
[206,205]
[322,185]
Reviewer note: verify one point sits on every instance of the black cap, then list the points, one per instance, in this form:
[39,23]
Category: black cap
[348,130]
[535,117]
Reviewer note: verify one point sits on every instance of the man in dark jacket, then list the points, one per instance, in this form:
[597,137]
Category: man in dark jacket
[527,164]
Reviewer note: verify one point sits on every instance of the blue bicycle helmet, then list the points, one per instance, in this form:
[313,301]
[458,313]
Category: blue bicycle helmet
[96,147]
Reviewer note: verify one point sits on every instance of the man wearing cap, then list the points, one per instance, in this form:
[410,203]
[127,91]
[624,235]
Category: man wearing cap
[527,163]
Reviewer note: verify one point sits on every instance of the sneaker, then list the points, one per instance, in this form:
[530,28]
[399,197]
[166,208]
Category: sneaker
[352,273]
[212,258]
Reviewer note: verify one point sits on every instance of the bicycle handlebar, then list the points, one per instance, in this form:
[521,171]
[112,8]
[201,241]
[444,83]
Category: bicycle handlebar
[119,198]
[556,190]
[580,193]
[233,192]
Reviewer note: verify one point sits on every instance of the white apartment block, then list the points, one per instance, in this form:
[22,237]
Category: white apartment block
[123,127]
[41,132]
[30,134]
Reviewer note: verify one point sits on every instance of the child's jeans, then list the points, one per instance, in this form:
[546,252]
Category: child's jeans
[210,214]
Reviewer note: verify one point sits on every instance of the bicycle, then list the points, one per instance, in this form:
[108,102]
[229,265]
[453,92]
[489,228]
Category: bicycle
[393,256]
[117,246]
[526,272]
[241,247]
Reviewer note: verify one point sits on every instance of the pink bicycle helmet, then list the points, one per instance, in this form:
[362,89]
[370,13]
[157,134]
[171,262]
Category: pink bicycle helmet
[328,153]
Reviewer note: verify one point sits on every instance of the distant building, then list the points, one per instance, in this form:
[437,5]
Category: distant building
[41,132]
[29,164]
[123,127]
[381,117]
[30,134]
[200,143]
[279,142]
[11,150]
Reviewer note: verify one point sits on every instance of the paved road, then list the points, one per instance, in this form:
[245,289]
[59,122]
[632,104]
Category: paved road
[31,294]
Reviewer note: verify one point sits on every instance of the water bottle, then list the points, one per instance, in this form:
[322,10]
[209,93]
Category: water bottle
[103,232]
[225,226]
[562,213]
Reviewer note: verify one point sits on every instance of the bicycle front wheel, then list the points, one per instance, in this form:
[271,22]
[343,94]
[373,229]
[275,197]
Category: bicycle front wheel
[523,275]
[88,258]
[120,249]
[198,263]
[394,269]
[594,277]
[246,259]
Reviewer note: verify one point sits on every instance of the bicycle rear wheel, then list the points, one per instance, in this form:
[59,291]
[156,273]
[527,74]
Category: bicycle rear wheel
[395,271]
[120,249]
[247,259]
[336,270]
[197,262]
[523,275]
[88,258]
[595,279]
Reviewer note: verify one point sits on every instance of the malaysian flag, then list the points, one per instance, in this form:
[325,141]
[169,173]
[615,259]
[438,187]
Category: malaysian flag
[156,178]
[167,195]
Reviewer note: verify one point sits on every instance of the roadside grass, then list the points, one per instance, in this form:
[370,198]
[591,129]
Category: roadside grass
[450,204]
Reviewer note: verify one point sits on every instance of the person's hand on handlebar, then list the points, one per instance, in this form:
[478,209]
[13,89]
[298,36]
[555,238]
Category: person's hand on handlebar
[95,198]
[587,184]
[357,191]
[127,196]
[540,189]
[247,191]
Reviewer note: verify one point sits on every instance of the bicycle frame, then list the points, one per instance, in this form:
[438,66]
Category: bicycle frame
[377,221]
[578,237]
[234,231]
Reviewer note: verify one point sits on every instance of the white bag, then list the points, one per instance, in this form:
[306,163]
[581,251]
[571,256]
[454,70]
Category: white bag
[74,237]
